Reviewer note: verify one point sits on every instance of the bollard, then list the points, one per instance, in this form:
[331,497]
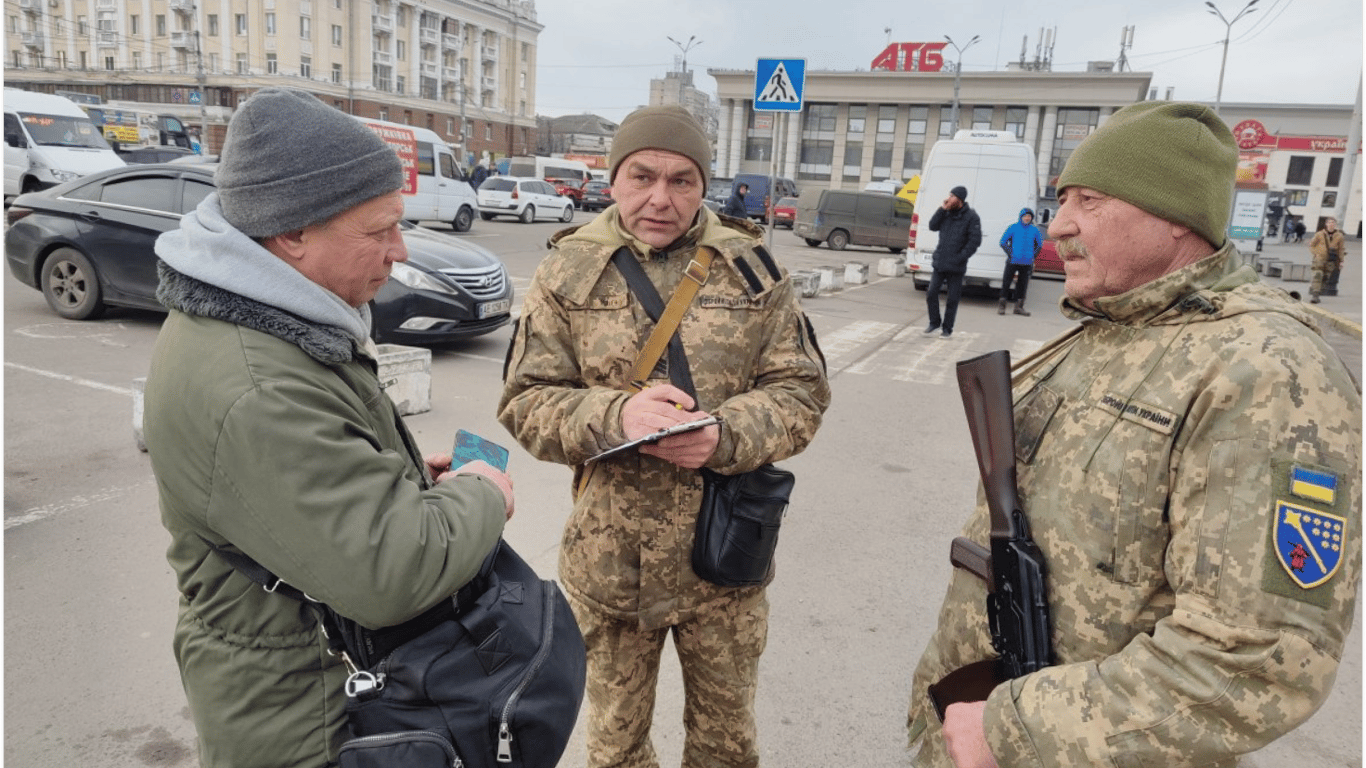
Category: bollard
[807,283]
[405,374]
[831,279]
[891,266]
[855,273]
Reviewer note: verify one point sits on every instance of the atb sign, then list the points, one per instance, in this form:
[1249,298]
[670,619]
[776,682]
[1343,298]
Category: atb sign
[778,85]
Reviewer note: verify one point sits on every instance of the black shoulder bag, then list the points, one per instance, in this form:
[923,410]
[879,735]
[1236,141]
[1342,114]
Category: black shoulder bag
[492,677]
[737,524]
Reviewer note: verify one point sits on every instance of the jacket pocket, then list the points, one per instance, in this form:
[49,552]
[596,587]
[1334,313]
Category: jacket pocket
[410,749]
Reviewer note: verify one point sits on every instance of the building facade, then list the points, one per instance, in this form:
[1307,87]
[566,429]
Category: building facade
[677,87]
[463,68]
[858,127]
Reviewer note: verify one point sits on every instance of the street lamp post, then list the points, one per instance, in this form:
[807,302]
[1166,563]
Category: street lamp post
[958,73]
[1228,32]
[684,47]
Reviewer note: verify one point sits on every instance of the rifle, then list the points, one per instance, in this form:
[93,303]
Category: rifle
[1013,568]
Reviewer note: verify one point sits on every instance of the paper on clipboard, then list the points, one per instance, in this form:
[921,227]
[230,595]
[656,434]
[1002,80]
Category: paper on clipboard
[654,437]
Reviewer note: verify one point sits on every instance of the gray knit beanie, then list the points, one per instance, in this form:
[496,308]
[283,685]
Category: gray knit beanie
[670,128]
[290,160]
[1172,159]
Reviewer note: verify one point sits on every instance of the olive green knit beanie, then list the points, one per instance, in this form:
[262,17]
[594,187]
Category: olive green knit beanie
[1174,160]
[670,128]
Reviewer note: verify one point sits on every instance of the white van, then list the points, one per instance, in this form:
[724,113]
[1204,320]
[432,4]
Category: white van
[1001,177]
[549,169]
[437,188]
[49,140]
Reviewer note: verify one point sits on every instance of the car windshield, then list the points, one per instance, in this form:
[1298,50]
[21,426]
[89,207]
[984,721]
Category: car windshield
[498,185]
[63,131]
[788,202]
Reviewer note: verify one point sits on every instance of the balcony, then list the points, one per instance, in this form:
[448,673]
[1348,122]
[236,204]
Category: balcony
[32,6]
[488,84]
[384,57]
[489,52]
[177,6]
[450,73]
[453,42]
[31,39]
[106,5]
[107,38]
[428,36]
[183,40]
[383,25]
[429,69]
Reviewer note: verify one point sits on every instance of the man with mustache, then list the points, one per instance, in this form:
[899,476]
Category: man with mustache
[1178,454]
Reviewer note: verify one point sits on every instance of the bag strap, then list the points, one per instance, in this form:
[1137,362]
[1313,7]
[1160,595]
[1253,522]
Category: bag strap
[667,318]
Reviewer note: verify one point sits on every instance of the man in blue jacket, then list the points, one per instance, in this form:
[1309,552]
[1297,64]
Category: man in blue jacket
[960,233]
[1022,241]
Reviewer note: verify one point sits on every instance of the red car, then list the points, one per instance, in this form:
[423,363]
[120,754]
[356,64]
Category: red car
[785,212]
[1048,260]
[570,188]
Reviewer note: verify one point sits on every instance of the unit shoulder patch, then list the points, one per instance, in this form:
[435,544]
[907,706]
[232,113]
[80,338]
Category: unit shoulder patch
[1310,535]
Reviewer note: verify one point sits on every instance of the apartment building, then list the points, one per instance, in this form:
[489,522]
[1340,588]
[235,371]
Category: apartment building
[463,68]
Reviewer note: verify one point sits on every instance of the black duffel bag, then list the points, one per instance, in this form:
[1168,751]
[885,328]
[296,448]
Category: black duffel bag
[498,682]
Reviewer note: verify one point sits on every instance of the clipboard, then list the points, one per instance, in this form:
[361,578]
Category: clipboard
[654,437]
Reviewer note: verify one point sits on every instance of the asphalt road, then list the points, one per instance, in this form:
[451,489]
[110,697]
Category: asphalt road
[90,602]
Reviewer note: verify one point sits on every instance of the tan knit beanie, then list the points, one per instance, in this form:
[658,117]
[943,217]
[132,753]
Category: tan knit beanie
[1174,160]
[671,128]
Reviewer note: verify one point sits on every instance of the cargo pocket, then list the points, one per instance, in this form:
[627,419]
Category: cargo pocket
[411,749]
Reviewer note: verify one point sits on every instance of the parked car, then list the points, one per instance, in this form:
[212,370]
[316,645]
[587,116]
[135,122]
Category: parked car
[88,244]
[597,196]
[569,189]
[145,155]
[785,212]
[527,199]
[1048,261]
[840,218]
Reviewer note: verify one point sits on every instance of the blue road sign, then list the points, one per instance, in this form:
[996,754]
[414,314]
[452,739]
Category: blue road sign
[778,85]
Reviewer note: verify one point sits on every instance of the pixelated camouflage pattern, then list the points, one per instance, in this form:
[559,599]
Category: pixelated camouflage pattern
[627,545]
[1319,247]
[1171,648]
[718,648]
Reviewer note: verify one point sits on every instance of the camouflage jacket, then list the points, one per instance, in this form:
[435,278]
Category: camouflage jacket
[753,356]
[1189,460]
[1323,243]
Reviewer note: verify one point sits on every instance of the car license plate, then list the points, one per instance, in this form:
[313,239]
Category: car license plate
[492,308]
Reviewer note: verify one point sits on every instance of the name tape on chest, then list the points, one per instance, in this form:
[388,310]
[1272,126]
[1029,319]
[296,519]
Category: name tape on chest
[1150,416]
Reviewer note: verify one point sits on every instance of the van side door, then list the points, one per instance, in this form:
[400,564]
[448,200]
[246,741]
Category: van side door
[422,204]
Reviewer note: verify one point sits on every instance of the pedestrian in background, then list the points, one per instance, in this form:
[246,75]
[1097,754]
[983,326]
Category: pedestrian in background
[270,434]
[1022,242]
[735,205]
[1189,461]
[960,235]
[478,175]
[1299,231]
[625,558]
[1329,249]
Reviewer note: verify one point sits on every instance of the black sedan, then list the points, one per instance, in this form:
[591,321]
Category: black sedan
[597,196]
[88,244]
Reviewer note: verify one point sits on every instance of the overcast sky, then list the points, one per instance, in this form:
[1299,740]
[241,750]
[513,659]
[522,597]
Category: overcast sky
[598,56]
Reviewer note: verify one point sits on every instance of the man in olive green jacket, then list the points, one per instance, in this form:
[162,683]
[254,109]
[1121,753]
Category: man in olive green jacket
[1189,459]
[625,555]
[271,436]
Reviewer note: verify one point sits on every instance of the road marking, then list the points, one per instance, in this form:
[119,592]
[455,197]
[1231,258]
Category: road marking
[843,343]
[70,505]
[72,379]
[101,333]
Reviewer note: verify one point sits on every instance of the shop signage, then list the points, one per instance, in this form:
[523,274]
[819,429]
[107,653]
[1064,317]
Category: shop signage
[911,57]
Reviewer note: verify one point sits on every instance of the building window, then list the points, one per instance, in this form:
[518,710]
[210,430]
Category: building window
[399,82]
[450,126]
[853,159]
[858,115]
[1073,126]
[1015,120]
[758,147]
[133,24]
[380,78]
[213,62]
[272,64]
[213,25]
[337,35]
[488,132]
[882,147]
[525,49]
[401,50]
[946,126]
[916,126]
[819,118]
[241,22]
[83,26]
[981,118]
[270,24]
[305,28]
[402,16]
[1330,198]
[109,62]
[161,25]
[1334,173]
[1300,171]
[137,59]
[336,73]
[1296,197]
[241,64]
[384,113]
[305,66]
[817,159]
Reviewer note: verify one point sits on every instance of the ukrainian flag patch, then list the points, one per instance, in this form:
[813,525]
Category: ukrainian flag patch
[1313,485]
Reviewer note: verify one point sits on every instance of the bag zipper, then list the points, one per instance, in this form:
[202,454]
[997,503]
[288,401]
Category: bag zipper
[380,739]
[547,634]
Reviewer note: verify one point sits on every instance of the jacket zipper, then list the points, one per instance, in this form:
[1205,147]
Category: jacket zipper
[381,739]
[547,634]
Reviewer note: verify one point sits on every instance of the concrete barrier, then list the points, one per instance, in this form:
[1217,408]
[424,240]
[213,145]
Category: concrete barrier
[807,283]
[405,373]
[831,279]
[891,266]
[855,272]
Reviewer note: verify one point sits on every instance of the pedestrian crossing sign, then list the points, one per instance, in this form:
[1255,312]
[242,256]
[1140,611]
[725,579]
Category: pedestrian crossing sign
[778,85]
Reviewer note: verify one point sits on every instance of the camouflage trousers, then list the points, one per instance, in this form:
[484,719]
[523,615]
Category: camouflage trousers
[1325,273]
[718,651]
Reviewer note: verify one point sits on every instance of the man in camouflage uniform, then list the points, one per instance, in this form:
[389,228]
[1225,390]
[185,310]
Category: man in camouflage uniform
[625,556]
[1189,461]
[1329,249]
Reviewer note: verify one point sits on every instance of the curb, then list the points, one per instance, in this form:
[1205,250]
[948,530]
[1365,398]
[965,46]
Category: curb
[1349,327]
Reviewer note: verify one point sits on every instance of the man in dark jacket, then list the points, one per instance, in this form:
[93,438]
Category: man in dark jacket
[735,206]
[960,232]
[270,434]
